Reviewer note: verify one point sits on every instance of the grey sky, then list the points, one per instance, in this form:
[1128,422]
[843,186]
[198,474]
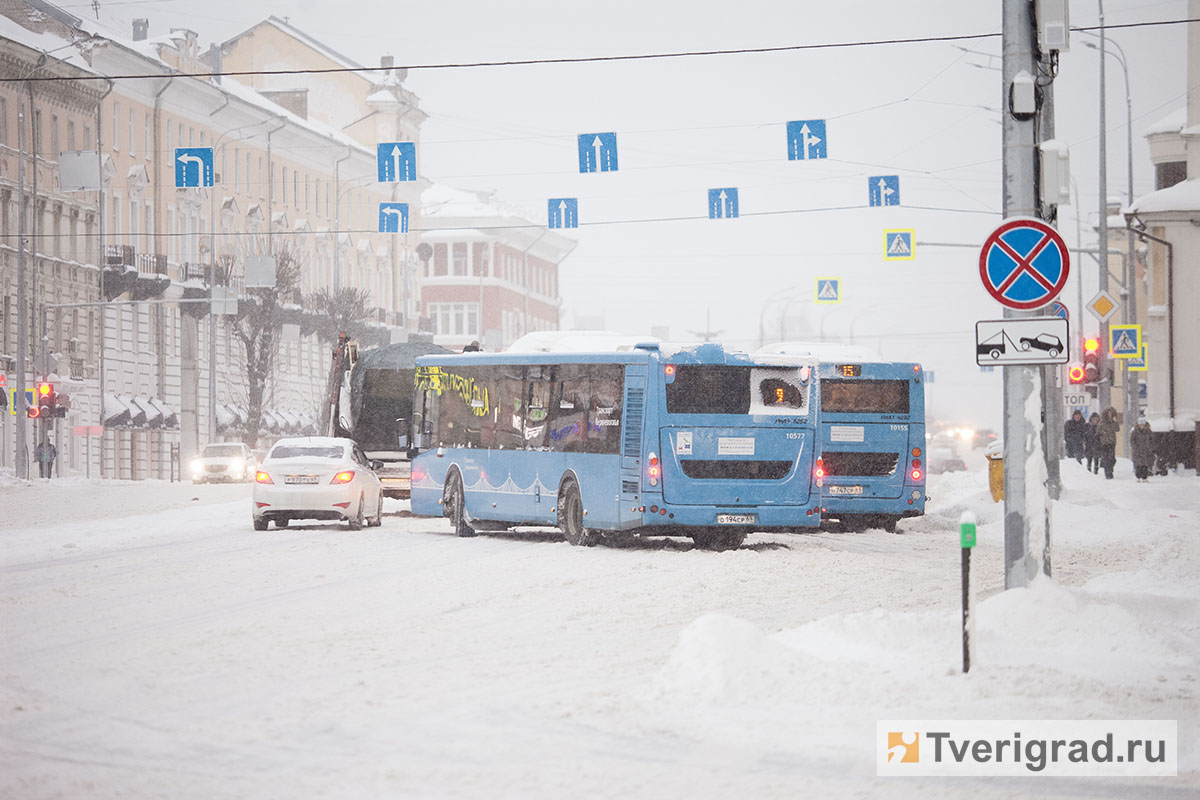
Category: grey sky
[647,253]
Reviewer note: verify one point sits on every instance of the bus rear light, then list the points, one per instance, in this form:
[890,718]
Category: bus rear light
[820,470]
[916,462]
[916,474]
[916,451]
[805,373]
[654,470]
[653,509]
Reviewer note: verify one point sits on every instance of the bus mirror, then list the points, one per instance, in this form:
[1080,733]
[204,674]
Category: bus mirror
[402,430]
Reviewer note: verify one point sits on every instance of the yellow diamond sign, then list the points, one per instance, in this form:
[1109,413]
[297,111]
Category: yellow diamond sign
[1102,306]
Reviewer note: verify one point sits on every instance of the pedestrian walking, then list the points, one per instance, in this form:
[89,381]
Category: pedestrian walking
[1107,431]
[1141,448]
[1074,431]
[1091,450]
[45,453]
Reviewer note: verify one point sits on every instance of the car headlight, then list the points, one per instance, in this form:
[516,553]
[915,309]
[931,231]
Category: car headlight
[237,465]
[196,465]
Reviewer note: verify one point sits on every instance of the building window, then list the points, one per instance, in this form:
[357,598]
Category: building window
[460,258]
[71,134]
[455,319]
[132,135]
[439,260]
[54,141]
[149,137]
[3,121]
[284,181]
[116,120]
[87,135]
[237,171]
[1168,174]
[295,188]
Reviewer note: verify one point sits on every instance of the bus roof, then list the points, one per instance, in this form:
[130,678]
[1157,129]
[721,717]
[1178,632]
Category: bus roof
[826,351]
[642,353]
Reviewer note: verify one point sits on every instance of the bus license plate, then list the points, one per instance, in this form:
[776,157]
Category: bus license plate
[300,479]
[845,490]
[735,519]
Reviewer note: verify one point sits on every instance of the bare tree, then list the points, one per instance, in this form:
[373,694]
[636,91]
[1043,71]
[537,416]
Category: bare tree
[343,311]
[257,327]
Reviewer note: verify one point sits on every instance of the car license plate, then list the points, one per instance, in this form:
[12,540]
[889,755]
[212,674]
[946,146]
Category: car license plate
[300,479]
[735,519]
[845,490]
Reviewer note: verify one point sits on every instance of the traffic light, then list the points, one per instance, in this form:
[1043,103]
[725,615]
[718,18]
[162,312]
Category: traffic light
[1091,360]
[1075,373]
[45,400]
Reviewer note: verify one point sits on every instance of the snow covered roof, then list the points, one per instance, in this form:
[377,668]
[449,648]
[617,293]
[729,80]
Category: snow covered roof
[1183,196]
[1172,123]
[577,342]
[826,351]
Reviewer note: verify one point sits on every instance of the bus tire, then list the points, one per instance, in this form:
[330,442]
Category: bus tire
[454,505]
[718,539]
[570,516]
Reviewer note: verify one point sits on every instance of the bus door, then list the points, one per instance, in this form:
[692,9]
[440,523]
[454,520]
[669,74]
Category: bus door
[864,459]
[767,460]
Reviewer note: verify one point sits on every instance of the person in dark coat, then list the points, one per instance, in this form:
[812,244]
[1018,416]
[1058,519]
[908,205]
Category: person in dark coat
[1091,451]
[1141,448]
[1107,431]
[1073,432]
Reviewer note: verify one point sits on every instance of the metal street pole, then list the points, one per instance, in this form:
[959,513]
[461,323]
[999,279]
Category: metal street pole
[1020,199]
[1105,390]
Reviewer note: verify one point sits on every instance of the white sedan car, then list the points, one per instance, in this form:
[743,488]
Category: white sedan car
[224,462]
[317,477]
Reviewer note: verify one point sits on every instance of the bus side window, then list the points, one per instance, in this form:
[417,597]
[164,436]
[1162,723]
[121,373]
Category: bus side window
[537,407]
[604,416]
[508,385]
[569,420]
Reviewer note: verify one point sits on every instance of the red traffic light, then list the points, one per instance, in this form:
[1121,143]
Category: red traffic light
[1091,345]
[33,412]
[45,389]
[1075,373]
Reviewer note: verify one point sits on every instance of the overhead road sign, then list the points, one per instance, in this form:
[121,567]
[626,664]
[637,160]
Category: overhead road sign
[393,217]
[899,245]
[396,161]
[806,139]
[1021,342]
[884,190]
[1024,263]
[1103,306]
[1125,341]
[1138,363]
[193,167]
[723,203]
[598,152]
[829,290]
[562,212]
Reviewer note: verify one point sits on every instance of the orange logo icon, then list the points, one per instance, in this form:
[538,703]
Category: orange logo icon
[903,747]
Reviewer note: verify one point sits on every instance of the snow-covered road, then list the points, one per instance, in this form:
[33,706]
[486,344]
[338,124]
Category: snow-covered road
[180,654]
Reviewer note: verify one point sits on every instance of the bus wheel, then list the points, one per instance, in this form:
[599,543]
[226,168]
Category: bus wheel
[570,516]
[718,539]
[454,505]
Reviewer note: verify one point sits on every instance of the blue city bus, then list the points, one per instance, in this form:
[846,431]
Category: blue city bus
[872,435]
[697,441]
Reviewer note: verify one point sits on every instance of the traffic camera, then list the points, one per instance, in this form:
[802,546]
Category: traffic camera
[1091,360]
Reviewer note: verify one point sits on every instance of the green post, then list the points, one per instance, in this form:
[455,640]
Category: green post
[966,537]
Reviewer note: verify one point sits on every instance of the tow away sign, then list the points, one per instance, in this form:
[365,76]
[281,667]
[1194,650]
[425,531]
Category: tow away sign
[1024,341]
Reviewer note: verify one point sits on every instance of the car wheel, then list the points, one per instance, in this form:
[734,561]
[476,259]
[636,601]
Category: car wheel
[356,524]
[454,505]
[260,523]
[570,516]
[718,539]
[378,519]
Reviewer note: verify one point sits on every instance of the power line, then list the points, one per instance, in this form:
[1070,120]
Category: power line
[795,48]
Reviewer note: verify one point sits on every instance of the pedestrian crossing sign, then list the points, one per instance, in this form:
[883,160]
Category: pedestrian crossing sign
[829,290]
[898,245]
[1138,362]
[1125,341]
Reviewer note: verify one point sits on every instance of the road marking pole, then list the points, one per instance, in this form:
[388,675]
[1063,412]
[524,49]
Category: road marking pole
[966,529]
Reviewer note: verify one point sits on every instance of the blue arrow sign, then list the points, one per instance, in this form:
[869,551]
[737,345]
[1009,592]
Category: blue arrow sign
[884,190]
[597,152]
[563,212]
[806,139]
[722,203]
[393,217]
[397,161]
[193,167]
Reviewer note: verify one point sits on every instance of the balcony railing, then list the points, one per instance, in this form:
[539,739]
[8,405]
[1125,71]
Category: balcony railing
[119,255]
[152,263]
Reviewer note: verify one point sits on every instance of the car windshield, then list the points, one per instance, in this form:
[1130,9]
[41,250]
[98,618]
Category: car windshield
[307,451]
[222,451]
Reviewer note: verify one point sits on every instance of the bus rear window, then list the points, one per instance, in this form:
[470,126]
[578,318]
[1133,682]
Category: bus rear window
[704,389]
[864,397]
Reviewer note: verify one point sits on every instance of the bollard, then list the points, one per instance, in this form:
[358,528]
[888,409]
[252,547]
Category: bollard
[966,532]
